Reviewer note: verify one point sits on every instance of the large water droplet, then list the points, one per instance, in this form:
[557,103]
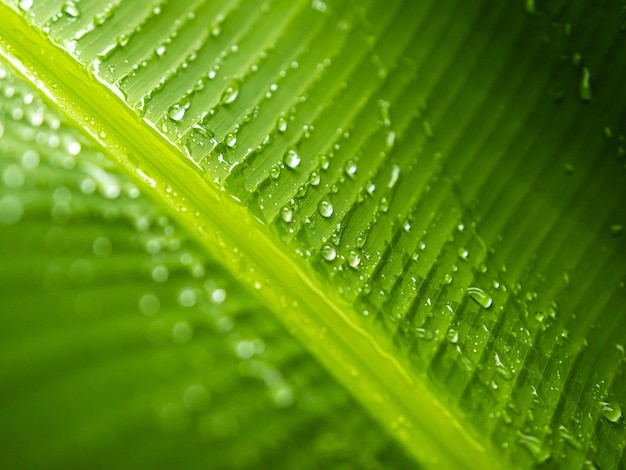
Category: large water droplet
[325,208]
[70,9]
[612,411]
[292,159]
[176,112]
[354,259]
[286,214]
[480,296]
[328,253]
[25,5]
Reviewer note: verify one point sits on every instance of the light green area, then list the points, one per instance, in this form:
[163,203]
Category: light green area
[125,344]
[430,195]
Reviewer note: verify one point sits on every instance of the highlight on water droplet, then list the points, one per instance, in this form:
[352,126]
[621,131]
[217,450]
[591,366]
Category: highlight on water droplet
[350,168]
[281,124]
[325,208]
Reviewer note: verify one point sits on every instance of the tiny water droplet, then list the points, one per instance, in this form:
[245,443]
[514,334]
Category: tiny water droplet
[230,140]
[325,208]
[231,93]
[501,369]
[275,172]
[328,253]
[350,168]
[292,158]
[281,124]
[463,253]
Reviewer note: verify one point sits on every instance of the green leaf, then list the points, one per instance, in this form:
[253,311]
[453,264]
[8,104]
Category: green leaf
[429,195]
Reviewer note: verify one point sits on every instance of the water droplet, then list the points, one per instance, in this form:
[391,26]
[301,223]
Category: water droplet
[354,259]
[231,93]
[11,209]
[328,253]
[230,140]
[325,208]
[395,174]
[480,296]
[196,398]
[533,446]
[447,279]
[292,159]
[176,112]
[281,124]
[25,5]
[350,168]
[149,304]
[70,9]
[452,335]
[286,214]
[406,225]
[611,410]
[314,178]
[463,253]
[275,172]
[501,369]
[159,51]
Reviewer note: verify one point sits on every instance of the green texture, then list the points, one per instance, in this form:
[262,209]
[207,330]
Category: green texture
[430,196]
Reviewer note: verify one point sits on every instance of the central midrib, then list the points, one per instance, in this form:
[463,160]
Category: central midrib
[322,321]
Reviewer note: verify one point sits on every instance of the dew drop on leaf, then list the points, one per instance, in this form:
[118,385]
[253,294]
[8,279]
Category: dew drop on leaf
[292,159]
[176,112]
[328,253]
[481,297]
[612,411]
[354,259]
[231,93]
[325,208]
[70,9]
